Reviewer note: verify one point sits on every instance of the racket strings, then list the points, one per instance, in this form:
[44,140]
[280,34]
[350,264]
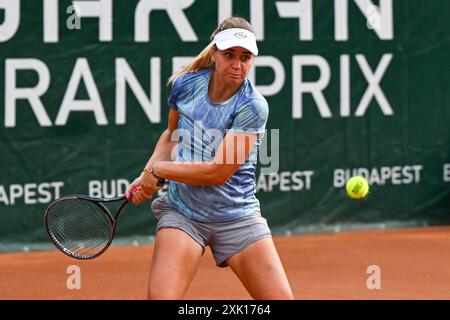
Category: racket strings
[79,226]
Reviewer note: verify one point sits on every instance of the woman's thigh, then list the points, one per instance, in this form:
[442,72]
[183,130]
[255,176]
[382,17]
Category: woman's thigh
[175,260]
[259,268]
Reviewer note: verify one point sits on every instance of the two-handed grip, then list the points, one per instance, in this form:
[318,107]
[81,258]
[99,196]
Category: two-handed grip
[132,193]
[161,182]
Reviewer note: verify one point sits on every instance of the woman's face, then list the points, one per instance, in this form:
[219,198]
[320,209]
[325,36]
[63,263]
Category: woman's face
[233,64]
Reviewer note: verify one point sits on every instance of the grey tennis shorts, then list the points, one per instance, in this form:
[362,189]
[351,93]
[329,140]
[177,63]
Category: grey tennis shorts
[224,238]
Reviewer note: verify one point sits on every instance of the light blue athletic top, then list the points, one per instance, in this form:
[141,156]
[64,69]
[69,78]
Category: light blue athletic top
[202,125]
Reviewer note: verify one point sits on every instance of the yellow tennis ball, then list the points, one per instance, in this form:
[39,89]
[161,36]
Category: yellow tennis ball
[357,187]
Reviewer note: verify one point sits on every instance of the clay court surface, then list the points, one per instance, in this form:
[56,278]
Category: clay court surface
[414,264]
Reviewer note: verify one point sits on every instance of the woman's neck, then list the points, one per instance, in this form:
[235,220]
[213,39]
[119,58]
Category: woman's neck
[219,91]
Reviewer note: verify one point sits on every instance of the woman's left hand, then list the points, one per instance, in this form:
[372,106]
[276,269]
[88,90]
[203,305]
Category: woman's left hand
[142,195]
[149,182]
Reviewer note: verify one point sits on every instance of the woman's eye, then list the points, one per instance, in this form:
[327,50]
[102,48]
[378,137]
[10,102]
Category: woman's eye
[245,58]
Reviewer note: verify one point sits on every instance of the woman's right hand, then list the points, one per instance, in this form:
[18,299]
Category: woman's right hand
[141,195]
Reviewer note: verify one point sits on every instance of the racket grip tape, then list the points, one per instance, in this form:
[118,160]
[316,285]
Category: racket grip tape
[161,182]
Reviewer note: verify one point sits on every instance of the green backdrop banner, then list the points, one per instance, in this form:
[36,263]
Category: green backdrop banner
[354,87]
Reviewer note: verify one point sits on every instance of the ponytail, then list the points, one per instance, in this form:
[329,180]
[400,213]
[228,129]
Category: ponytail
[202,61]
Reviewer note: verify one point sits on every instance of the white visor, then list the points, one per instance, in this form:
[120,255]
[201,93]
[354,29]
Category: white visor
[236,37]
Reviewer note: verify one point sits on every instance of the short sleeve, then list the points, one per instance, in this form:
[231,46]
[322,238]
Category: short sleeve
[175,92]
[251,117]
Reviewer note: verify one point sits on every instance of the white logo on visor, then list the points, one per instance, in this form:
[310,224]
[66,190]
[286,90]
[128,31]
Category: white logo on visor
[240,35]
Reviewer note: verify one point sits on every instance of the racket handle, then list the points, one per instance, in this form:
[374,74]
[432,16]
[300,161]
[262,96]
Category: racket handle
[133,192]
[161,182]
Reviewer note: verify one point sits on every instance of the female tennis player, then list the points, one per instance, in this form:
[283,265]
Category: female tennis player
[215,125]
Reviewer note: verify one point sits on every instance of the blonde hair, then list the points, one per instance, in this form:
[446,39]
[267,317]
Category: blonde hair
[203,59]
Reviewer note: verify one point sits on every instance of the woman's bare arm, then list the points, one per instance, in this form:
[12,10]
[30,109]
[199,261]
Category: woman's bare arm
[231,154]
[165,145]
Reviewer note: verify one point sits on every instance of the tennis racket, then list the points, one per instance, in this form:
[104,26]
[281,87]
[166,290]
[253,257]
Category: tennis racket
[82,227]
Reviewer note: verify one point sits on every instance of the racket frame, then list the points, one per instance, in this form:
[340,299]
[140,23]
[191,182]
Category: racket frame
[99,203]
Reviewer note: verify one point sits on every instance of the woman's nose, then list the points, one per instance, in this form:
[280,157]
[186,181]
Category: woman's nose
[236,64]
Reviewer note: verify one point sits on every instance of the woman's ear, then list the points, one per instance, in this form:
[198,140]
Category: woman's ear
[213,53]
